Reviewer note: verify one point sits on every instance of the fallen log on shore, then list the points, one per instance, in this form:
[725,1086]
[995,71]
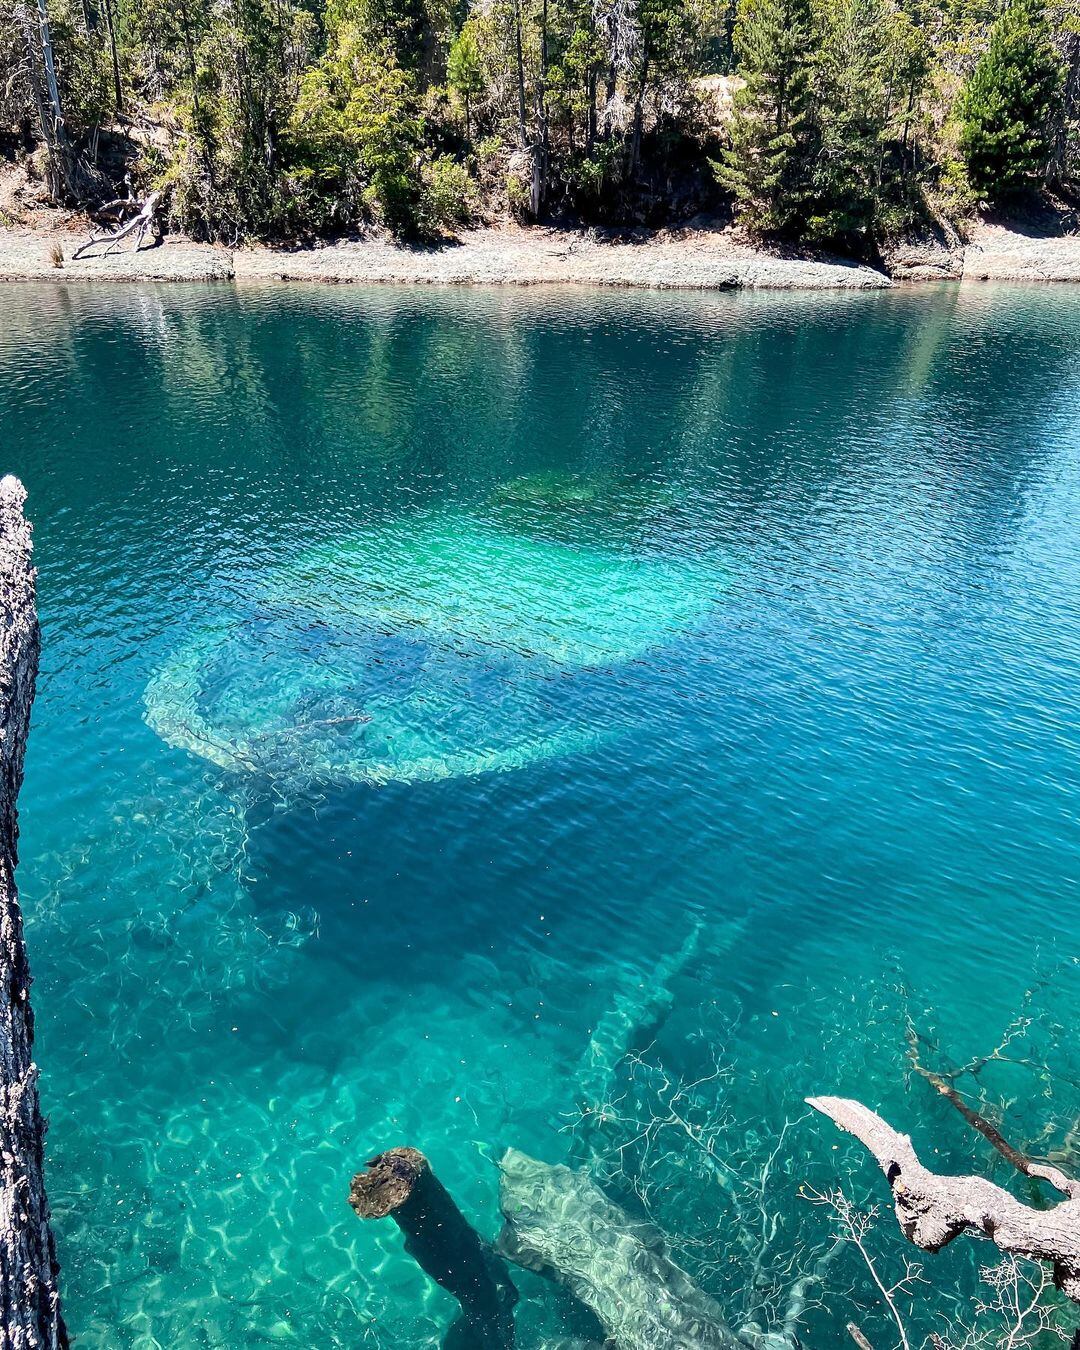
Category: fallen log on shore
[143,222]
[30,1317]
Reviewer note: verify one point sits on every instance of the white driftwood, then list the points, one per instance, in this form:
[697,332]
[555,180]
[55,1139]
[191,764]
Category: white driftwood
[933,1209]
[29,1300]
[144,220]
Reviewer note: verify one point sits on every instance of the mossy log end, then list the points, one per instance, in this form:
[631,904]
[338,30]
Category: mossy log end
[30,1316]
[400,1184]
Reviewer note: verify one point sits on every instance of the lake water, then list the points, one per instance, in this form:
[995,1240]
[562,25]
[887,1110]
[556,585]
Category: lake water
[462,711]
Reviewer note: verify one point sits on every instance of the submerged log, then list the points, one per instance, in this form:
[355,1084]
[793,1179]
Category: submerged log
[634,1017]
[932,1210]
[400,1184]
[29,1299]
[560,1224]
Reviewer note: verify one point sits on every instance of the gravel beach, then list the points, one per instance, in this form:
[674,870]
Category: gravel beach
[684,260]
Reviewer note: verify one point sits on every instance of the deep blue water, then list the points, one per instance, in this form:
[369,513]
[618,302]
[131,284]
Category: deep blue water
[433,678]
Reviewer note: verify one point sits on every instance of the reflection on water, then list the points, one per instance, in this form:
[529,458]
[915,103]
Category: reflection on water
[769,602]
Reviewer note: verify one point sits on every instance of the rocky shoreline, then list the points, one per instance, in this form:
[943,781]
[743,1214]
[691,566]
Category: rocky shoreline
[702,259]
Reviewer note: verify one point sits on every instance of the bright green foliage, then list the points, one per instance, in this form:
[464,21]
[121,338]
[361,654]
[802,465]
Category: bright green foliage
[402,27]
[1006,106]
[853,119]
[356,128]
[850,76]
[450,197]
[464,72]
[767,165]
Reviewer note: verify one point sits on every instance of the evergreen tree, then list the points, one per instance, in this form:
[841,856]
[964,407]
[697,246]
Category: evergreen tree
[767,163]
[464,73]
[849,81]
[1006,107]
[357,125]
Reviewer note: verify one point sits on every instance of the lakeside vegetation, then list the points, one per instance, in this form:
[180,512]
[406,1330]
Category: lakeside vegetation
[836,122]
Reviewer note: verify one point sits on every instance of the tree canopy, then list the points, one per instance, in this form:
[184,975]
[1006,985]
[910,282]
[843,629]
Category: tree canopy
[837,121]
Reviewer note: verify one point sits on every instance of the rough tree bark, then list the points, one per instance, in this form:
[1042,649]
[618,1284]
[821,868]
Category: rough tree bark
[66,176]
[933,1209]
[400,1184]
[29,1299]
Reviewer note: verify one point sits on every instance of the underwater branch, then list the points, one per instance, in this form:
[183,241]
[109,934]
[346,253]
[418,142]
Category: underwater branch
[933,1209]
[29,1297]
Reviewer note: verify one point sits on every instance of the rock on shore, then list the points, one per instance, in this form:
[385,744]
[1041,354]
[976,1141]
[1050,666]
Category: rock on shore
[1012,252]
[27,255]
[692,260]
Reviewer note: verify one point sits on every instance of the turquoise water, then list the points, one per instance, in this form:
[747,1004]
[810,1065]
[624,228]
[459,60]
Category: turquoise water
[461,711]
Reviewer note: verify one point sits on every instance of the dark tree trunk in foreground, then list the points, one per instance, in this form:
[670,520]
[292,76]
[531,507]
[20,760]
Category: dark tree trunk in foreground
[29,1300]
[400,1184]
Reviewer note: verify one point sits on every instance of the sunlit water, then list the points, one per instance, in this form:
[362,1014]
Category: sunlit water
[448,695]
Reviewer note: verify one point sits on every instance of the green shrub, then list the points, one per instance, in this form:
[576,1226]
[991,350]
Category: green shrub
[450,197]
[356,129]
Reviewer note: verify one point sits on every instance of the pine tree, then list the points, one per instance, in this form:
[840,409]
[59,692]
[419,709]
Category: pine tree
[849,81]
[464,72]
[767,163]
[1006,107]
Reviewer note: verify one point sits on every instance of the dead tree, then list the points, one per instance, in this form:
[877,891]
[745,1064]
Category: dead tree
[29,1299]
[144,220]
[933,1209]
[400,1184]
[559,1223]
[66,175]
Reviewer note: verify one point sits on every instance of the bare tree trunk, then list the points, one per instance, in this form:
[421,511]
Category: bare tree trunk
[29,1298]
[50,64]
[118,93]
[1070,100]
[523,135]
[639,111]
[932,1210]
[66,178]
[54,179]
[560,1224]
[543,146]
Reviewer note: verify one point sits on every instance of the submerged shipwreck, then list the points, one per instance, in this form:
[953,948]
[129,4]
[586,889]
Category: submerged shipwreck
[435,647]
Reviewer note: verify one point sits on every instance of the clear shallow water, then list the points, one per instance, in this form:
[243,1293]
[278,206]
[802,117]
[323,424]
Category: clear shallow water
[750,683]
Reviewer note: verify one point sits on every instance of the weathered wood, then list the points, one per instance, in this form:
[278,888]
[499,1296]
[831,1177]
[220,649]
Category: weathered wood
[30,1316]
[560,1224]
[933,1209]
[144,220]
[401,1185]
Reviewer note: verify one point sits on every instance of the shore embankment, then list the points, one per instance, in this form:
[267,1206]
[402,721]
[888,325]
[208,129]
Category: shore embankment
[701,259]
